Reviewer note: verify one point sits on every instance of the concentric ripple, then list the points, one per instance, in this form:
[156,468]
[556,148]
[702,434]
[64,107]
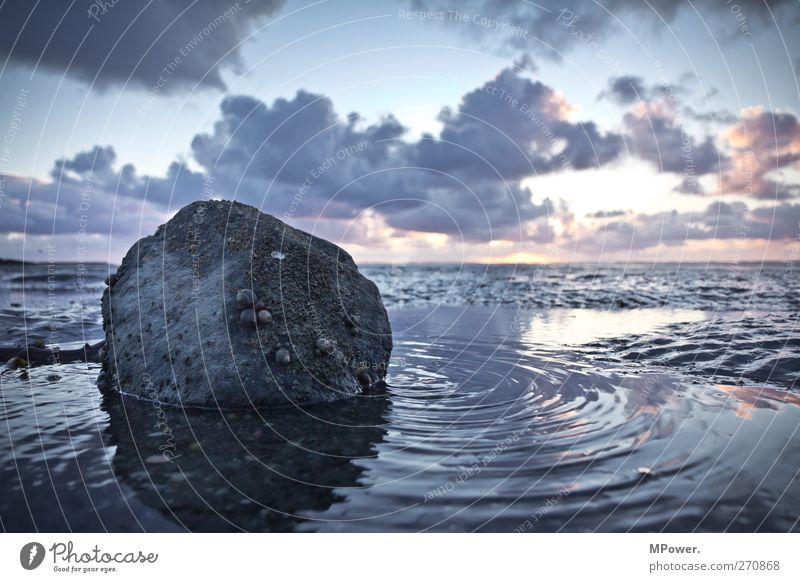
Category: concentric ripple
[494,419]
[512,436]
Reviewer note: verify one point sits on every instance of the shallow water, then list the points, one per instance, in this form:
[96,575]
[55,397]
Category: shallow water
[497,417]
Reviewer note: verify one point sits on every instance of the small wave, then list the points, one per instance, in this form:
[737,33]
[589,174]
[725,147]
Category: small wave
[755,348]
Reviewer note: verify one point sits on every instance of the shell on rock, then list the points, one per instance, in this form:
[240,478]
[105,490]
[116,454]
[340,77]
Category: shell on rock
[264,317]
[248,317]
[282,356]
[246,298]
[325,346]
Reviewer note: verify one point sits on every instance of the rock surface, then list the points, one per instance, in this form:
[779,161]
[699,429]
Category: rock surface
[179,329]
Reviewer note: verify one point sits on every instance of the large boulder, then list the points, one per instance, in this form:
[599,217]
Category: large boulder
[227,307]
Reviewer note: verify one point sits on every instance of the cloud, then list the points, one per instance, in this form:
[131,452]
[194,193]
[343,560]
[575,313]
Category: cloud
[515,127]
[753,150]
[553,30]
[298,159]
[625,90]
[719,221]
[654,133]
[112,43]
[608,213]
[78,207]
[655,130]
[762,144]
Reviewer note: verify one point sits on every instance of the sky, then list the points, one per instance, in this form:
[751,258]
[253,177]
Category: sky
[407,131]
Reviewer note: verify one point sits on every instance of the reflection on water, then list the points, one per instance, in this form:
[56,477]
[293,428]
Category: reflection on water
[574,327]
[486,425]
[243,471]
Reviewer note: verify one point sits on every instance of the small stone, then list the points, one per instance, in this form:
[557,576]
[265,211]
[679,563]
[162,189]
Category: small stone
[364,378]
[53,378]
[15,363]
[282,356]
[264,317]
[260,305]
[38,343]
[277,255]
[246,298]
[111,279]
[325,346]
[248,318]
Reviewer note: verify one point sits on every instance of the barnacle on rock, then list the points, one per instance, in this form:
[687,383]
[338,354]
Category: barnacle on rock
[264,317]
[248,317]
[246,298]
[282,356]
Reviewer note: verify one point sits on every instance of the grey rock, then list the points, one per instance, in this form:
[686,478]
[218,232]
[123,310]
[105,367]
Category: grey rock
[173,322]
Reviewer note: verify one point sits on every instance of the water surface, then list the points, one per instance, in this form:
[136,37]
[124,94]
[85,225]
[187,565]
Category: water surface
[546,414]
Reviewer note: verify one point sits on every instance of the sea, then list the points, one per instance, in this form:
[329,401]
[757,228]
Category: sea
[527,398]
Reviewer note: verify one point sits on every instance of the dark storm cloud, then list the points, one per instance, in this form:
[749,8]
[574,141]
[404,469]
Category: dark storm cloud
[655,130]
[299,157]
[76,207]
[515,127]
[482,211]
[762,144]
[719,221]
[754,148]
[552,28]
[299,160]
[625,90]
[654,133]
[108,42]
